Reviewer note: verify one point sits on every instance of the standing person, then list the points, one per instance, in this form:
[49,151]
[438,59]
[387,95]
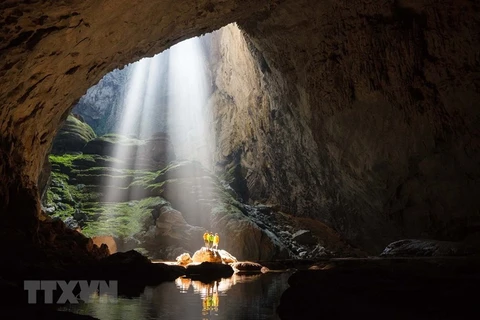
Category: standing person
[210,239]
[216,240]
[206,236]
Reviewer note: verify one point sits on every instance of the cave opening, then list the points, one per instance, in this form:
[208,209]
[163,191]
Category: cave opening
[128,139]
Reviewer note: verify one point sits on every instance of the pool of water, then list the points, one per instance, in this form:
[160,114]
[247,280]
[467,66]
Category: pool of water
[238,297]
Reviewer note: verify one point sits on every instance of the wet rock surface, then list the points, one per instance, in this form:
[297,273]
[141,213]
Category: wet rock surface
[402,288]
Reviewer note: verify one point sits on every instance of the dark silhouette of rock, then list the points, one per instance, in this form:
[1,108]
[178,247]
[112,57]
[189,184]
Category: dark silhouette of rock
[209,271]
[428,248]
[247,266]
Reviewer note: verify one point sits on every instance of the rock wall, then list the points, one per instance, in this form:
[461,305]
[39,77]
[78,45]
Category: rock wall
[101,106]
[365,116]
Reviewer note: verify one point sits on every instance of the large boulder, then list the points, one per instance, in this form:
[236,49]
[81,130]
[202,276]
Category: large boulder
[244,238]
[207,255]
[73,136]
[171,229]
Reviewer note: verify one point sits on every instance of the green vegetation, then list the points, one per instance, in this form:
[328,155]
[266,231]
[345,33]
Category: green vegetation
[123,219]
[81,181]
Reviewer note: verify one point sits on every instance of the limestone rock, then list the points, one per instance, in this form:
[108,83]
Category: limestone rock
[241,236]
[101,106]
[184,259]
[171,229]
[204,255]
[304,237]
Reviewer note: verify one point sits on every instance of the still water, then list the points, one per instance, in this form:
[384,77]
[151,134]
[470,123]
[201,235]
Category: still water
[238,297]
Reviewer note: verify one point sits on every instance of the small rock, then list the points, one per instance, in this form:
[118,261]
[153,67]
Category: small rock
[227,257]
[71,223]
[61,206]
[49,210]
[247,266]
[184,259]
[79,215]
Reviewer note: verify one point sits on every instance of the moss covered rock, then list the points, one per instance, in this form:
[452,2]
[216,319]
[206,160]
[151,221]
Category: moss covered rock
[73,136]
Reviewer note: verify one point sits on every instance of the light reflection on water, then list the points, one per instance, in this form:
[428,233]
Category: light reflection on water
[238,297]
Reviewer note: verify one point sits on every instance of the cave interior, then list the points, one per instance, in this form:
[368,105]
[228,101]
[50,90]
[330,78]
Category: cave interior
[350,127]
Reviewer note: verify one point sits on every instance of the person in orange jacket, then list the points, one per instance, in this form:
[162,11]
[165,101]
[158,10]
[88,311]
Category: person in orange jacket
[206,237]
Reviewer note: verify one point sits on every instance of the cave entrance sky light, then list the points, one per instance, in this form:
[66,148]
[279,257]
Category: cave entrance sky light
[175,81]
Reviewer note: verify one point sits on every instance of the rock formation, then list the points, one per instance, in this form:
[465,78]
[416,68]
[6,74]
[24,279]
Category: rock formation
[203,255]
[72,137]
[361,114]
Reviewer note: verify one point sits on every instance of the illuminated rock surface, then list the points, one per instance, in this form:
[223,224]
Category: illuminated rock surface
[204,255]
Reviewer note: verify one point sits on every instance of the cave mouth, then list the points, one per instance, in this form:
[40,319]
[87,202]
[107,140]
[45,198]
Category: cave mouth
[123,148]
[135,166]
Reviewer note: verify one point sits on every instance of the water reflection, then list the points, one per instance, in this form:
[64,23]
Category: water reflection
[210,293]
[238,297]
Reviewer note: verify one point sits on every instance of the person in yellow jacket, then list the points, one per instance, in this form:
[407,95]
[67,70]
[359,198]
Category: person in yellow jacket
[216,240]
[206,236]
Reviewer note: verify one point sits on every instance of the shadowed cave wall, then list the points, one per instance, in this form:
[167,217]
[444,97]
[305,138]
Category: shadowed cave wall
[363,115]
